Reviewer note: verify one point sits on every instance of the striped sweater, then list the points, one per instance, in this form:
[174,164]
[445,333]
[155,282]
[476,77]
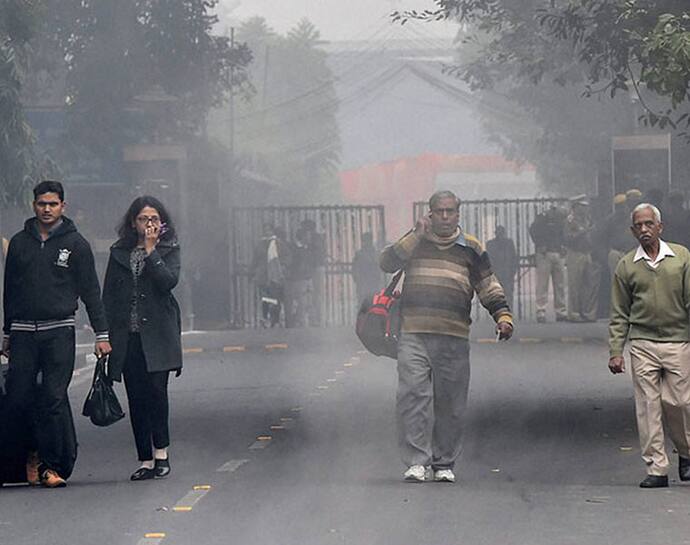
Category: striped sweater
[440,283]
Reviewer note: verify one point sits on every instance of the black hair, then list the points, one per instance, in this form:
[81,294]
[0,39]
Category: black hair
[49,186]
[126,231]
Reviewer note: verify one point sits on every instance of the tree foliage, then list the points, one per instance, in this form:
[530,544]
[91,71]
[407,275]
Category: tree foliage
[621,45]
[17,161]
[288,131]
[117,55]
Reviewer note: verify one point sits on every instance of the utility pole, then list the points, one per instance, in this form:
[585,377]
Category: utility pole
[265,80]
[231,121]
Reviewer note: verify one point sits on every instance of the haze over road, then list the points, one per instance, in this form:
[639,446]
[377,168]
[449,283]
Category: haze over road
[551,455]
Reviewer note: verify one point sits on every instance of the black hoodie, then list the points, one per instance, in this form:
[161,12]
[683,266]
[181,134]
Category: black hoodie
[44,279]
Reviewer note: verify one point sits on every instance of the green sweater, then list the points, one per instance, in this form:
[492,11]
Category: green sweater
[650,304]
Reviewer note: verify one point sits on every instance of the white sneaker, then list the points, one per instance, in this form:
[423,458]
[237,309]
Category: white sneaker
[444,476]
[415,473]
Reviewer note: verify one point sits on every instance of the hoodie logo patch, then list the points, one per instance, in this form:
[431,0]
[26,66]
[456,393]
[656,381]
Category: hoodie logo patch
[63,258]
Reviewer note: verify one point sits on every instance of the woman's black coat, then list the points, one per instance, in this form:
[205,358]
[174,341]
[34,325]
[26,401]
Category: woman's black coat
[159,313]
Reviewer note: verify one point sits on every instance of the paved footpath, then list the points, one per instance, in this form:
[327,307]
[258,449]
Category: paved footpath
[288,437]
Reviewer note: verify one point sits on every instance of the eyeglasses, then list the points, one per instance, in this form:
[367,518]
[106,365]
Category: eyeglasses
[145,220]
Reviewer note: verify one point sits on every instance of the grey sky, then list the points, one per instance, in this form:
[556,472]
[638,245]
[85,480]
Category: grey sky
[336,19]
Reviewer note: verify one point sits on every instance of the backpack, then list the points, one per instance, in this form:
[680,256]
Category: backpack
[378,320]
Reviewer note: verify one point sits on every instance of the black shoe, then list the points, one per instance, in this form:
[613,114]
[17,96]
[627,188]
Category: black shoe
[684,468]
[561,318]
[655,481]
[162,468]
[143,474]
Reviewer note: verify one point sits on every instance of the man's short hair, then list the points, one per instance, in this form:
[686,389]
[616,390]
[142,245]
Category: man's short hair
[49,186]
[643,206]
[443,194]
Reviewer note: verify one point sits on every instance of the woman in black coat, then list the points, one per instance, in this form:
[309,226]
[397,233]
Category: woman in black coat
[144,321]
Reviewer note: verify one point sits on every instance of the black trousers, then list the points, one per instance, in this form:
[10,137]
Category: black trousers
[270,311]
[52,354]
[147,394]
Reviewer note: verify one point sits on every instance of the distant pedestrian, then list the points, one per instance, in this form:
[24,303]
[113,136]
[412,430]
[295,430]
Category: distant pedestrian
[616,232]
[365,268]
[144,317]
[318,255]
[271,265]
[49,267]
[583,272]
[298,288]
[504,261]
[633,197]
[677,220]
[444,268]
[548,232]
[650,298]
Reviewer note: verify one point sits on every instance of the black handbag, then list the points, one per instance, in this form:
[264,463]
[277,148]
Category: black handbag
[102,405]
[378,320]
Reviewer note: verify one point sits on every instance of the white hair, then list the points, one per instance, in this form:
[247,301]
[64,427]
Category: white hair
[643,206]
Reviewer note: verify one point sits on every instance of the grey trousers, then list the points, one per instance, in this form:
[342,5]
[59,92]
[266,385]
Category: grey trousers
[433,382]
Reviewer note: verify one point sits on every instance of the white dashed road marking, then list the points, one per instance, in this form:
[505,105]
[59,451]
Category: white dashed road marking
[231,466]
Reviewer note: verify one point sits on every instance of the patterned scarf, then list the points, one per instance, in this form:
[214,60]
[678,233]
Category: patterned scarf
[443,243]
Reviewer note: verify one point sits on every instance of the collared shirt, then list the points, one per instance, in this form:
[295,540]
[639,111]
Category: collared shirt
[664,251]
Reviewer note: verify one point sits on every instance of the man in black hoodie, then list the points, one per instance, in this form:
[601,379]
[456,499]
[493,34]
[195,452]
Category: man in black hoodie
[49,266]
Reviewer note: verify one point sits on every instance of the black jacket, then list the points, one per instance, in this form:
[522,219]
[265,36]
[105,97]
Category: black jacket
[44,279]
[548,232]
[158,311]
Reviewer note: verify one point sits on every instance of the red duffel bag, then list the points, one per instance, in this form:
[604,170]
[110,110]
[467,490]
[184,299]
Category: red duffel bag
[378,320]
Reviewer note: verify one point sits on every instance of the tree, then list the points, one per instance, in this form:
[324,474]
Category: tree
[521,53]
[17,159]
[112,53]
[288,131]
[624,45]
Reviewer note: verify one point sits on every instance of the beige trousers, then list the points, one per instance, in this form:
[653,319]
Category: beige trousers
[661,378]
[551,265]
[583,286]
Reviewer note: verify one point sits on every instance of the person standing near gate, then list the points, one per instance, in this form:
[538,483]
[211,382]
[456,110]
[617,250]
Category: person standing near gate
[316,243]
[272,262]
[617,233]
[444,268]
[547,233]
[650,300]
[583,273]
[504,261]
[49,267]
[365,268]
[144,317]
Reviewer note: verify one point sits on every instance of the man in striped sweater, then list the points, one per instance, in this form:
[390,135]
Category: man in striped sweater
[444,268]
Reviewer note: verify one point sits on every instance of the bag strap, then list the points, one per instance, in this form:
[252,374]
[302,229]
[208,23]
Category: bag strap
[394,283]
[100,369]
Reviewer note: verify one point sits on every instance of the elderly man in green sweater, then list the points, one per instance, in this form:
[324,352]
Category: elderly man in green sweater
[650,300]
[444,268]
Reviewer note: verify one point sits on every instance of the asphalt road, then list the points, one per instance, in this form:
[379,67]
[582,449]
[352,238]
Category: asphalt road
[551,456]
